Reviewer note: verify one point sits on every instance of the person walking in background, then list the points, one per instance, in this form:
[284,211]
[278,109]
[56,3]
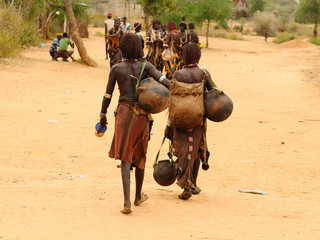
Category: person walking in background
[172,44]
[164,31]
[108,24]
[183,37]
[192,35]
[114,36]
[137,28]
[125,26]
[266,34]
[155,45]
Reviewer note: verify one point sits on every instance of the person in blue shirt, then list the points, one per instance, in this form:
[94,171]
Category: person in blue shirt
[54,47]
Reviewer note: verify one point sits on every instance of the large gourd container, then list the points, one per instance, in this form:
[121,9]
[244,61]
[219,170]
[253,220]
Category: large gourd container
[153,97]
[218,105]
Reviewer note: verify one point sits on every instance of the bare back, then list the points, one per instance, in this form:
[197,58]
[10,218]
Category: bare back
[174,37]
[193,37]
[126,74]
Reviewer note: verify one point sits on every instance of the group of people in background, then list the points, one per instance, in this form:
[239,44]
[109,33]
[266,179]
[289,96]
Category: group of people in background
[164,42]
[59,47]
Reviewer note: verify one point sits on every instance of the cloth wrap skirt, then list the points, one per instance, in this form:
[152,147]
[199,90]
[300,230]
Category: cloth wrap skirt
[131,134]
[185,146]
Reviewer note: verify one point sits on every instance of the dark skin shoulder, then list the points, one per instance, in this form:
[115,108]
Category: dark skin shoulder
[125,74]
[194,75]
[193,37]
[173,37]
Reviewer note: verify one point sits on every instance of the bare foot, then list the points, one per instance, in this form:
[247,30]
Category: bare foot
[126,210]
[143,198]
[185,195]
[196,191]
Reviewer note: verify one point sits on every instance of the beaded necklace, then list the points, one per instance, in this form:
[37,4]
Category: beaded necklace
[190,65]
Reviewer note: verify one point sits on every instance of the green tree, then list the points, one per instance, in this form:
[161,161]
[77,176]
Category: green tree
[257,5]
[155,8]
[210,11]
[283,9]
[309,10]
[180,10]
[263,20]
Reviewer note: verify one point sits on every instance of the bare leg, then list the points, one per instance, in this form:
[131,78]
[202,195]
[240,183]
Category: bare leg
[140,197]
[70,55]
[72,58]
[195,172]
[125,173]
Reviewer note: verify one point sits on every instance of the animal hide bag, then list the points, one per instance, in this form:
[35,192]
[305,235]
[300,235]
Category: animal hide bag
[168,54]
[186,107]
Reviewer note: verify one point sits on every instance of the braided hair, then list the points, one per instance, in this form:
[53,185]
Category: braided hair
[130,46]
[172,25]
[191,26]
[183,24]
[191,54]
[156,21]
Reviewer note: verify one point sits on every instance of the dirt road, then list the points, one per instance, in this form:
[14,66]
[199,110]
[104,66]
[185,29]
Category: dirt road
[58,183]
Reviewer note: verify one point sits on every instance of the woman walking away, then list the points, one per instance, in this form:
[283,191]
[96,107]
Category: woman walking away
[189,145]
[132,124]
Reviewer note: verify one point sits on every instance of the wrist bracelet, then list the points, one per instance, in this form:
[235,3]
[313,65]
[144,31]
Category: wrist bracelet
[103,114]
[161,78]
[169,122]
[107,95]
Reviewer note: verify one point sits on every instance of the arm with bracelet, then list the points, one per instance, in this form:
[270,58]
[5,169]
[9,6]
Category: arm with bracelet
[107,99]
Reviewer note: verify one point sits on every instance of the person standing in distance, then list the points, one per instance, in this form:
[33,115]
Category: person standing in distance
[108,24]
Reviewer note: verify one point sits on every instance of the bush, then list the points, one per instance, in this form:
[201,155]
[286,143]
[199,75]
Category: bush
[304,30]
[233,36]
[10,32]
[30,35]
[246,32]
[98,20]
[219,33]
[263,20]
[223,24]
[238,28]
[284,37]
[292,27]
[315,41]
[15,33]
[99,34]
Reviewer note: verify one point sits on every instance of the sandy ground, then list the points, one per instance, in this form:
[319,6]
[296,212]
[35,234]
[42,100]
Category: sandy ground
[57,181]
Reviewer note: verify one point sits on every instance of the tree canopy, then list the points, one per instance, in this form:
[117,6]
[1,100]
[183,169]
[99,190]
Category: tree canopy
[210,11]
[309,10]
[257,5]
[154,8]
[283,9]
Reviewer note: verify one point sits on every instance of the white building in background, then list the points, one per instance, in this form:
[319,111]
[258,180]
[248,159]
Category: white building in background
[121,8]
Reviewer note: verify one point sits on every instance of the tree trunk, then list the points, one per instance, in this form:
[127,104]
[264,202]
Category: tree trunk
[146,21]
[74,33]
[46,23]
[207,34]
[315,30]
[44,30]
